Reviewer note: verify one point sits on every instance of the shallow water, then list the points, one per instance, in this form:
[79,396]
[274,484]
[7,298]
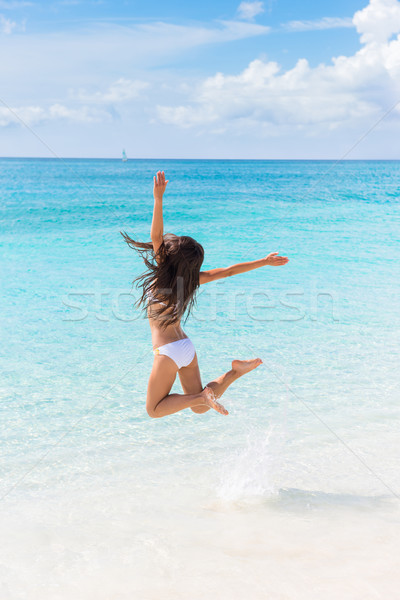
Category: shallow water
[295,493]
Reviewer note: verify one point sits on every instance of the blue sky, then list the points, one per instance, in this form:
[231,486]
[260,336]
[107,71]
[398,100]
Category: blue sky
[222,79]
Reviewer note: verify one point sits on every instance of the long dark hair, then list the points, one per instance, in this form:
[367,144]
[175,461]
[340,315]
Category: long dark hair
[172,275]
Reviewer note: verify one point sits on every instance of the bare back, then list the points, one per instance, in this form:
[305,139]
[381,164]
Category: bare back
[160,335]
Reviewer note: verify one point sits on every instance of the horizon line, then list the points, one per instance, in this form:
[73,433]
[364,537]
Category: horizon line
[183,159]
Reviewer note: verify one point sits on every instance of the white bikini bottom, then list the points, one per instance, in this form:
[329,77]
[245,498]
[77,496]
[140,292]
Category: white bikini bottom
[182,352]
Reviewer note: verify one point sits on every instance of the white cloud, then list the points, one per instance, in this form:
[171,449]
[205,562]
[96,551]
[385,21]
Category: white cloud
[32,115]
[378,21]
[85,57]
[249,10]
[6,25]
[183,36]
[43,67]
[324,23]
[28,114]
[263,97]
[120,91]
[82,114]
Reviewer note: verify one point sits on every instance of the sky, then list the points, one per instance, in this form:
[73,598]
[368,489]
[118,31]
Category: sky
[277,79]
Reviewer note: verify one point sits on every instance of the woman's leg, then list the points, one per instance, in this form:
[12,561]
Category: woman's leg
[161,403]
[191,380]
[191,383]
[239,368]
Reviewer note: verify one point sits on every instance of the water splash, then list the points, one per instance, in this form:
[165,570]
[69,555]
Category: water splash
[250,472]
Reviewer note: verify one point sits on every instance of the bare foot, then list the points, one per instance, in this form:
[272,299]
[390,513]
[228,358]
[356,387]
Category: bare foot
[209,399]
[244,366]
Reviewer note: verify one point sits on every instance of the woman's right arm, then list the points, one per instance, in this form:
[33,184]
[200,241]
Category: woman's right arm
[273,259]
[157,225]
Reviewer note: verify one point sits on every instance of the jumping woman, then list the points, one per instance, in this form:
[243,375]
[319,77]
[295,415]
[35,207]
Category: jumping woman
[168,291]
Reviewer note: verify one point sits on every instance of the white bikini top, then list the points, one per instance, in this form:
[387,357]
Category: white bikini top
[152,299]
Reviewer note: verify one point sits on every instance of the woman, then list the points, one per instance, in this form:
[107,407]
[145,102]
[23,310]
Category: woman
[169,285]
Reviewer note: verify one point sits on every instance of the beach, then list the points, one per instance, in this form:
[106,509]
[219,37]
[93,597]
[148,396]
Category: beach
[295,494]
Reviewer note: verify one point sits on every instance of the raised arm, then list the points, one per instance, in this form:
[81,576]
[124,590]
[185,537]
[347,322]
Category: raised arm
[157,226]
[273,259]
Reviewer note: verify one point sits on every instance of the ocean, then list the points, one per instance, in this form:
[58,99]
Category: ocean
[294,495]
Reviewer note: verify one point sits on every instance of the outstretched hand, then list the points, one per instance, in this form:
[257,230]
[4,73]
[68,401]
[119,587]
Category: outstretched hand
[159,185]
[274,260]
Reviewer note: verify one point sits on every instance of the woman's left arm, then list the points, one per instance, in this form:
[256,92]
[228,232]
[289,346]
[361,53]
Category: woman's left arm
[273,260]
[157,225]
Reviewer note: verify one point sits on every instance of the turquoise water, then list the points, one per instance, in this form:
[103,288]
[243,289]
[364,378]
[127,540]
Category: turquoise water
[263,502]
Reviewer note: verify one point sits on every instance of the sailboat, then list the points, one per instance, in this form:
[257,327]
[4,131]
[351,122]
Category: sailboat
[124,156]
